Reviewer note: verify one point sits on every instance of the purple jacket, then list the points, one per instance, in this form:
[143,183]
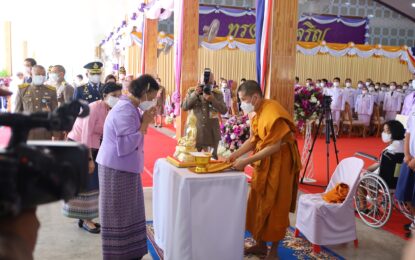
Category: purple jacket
[122,144]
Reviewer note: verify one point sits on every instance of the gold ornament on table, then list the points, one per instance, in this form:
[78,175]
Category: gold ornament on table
[187,143]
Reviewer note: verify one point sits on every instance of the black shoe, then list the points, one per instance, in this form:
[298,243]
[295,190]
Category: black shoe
[97,225]
[407,227]
[95,230]
[80,223]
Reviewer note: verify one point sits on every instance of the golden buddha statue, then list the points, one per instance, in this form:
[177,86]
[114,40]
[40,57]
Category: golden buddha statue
[187,143]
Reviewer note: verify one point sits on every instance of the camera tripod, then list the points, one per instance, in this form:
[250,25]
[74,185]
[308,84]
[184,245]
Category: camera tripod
[326,115]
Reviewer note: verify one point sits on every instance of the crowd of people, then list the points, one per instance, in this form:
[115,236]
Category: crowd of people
[365,97]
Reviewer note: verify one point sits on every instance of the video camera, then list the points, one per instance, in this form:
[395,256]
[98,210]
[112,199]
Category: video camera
[327,102]
[207,89]
[39,172]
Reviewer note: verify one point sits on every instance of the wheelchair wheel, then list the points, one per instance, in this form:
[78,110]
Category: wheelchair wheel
[403,208]
[373,201]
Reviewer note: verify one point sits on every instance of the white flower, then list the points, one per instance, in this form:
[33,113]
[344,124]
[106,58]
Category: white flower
[313,99]
[233,136]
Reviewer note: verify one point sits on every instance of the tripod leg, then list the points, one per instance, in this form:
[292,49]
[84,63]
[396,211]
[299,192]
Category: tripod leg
[333,136]
[312,147]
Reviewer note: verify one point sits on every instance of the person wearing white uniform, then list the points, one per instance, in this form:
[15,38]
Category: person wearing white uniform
[308,82]
[392,103]
[348,95]
[408,103]
[382,93]
[374,93]
[336,106]
[406,182]
[364,106]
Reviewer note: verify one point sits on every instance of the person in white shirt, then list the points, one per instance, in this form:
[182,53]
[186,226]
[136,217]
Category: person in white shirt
[382,92]
[348,94]
[406,182]
[393,134]
[324,86]
[364,106]
[308,82]
[336,94]
[374,93]
[392,102]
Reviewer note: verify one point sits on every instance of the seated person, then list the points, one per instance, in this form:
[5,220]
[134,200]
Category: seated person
[393,135]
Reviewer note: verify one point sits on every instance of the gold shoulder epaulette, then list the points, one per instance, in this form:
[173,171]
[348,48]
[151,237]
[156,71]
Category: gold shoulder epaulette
[24,85]
[217,91]
[50,87]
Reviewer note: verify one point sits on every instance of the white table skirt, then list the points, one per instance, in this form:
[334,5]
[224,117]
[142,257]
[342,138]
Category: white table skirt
[199,216]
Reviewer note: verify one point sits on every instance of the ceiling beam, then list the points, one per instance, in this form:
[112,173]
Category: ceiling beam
[395,10]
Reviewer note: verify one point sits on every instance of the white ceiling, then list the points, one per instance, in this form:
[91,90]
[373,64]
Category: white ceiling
[403,6]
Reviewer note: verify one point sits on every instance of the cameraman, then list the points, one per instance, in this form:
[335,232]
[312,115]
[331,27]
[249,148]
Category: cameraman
[17,234]
[207,102]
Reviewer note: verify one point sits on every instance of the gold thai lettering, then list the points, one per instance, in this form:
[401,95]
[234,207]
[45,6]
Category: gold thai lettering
[311,33]
[252,31]
[300,34]
[233,29]
[244,29]
[240,30]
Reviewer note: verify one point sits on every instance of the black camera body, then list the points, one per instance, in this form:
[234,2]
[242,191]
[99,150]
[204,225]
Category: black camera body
[327,101]
[207,89]
[38,172]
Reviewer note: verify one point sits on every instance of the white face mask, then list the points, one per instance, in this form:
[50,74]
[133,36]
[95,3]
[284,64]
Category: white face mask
[383,88]
[364,92]
[322,84]
[247,107]
[38,80]
[413,83]
[377,87]
[405,87]
[367,84]
[28,69]
[348,85]
[360,85]
[146,105]
[371,89]
[95,79]
[111,101]
[336,84]
[54,77]
[386,138]
[392,88]
[307,84]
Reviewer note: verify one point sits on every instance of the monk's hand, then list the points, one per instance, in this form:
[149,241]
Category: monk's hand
[240,164]
[91,166]
[232,157]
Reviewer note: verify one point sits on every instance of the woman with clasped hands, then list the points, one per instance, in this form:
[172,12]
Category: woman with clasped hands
[120,164]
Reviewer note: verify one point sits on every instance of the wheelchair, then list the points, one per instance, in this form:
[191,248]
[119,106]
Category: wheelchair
[374,198]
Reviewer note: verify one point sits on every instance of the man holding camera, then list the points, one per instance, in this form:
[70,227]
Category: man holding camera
[206,103]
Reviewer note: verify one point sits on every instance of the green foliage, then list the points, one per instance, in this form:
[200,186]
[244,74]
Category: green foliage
[3,73]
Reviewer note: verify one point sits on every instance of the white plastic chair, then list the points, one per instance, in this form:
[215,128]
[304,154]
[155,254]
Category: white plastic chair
[325,223]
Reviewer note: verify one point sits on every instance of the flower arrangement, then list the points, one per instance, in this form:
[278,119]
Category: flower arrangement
[235,132]
[307,102]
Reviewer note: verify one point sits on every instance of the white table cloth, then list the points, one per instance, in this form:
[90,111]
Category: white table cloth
[198,216]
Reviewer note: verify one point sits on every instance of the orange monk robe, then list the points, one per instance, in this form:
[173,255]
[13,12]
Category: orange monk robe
[275,180]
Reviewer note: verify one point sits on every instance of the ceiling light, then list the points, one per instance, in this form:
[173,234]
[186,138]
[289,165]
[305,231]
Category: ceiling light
[413,5]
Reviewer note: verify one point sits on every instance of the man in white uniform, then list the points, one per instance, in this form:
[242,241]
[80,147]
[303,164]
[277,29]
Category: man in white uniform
[364,106]
[392,103]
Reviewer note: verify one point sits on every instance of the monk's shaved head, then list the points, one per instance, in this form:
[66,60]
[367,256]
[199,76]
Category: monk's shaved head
[249,88]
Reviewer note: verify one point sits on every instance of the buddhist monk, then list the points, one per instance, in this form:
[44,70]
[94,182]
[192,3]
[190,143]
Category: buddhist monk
[276,163]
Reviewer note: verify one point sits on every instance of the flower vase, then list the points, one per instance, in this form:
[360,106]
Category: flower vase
[308,140]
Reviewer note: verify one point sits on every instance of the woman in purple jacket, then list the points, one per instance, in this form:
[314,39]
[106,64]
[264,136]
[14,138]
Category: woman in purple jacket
[120,164]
